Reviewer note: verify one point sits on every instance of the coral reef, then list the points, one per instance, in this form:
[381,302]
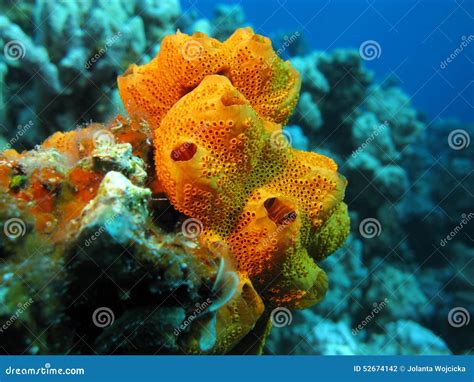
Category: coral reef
[396,249]
[313,334]
[84,215]
[53,63]
[227,18]
[93,200]
[410,180]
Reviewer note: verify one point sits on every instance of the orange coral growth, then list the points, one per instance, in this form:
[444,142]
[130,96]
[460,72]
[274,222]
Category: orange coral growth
[221,161]
[149,91]
[213,184]
[270,85]
[53,183]
[248,60]
[233,320]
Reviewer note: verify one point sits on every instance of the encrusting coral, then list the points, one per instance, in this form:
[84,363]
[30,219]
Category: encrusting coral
[211,114]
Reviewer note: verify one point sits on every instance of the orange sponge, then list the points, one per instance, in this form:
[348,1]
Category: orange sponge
[270,85]
[248,60]
[216,110]
[218,161]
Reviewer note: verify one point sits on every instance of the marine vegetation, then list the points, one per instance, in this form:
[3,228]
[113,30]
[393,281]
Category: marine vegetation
[202,151]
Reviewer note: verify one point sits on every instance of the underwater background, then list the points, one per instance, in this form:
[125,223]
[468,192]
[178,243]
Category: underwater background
[387,92]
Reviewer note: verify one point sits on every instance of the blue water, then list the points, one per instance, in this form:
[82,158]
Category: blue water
[415,37]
